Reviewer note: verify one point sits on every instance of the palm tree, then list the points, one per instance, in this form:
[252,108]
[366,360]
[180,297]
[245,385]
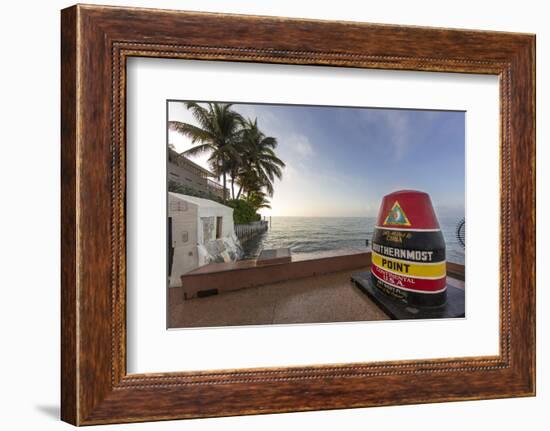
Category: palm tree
[219,132]
[258,200]
[234,165]
[259,165]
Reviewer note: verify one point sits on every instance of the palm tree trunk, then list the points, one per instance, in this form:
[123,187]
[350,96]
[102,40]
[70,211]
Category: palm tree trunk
[224,183]
[232,187]
[239,193]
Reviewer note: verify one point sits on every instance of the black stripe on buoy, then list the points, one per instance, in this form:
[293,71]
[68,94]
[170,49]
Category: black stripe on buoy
[411,240]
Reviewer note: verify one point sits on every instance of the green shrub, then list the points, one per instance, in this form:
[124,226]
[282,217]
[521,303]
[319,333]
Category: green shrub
[243,211]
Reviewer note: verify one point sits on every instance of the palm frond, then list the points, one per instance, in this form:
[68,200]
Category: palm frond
[195,133]
[199,149]
[269,142]
[200,114]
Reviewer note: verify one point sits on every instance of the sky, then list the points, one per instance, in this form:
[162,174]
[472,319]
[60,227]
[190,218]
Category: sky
[341,161]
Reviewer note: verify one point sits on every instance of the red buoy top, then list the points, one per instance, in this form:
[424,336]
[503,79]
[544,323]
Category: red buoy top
[407,209]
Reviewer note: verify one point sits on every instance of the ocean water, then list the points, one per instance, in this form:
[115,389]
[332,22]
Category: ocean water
[310,236]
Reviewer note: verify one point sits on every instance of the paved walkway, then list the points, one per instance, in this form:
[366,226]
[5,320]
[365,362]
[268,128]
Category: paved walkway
[326,298]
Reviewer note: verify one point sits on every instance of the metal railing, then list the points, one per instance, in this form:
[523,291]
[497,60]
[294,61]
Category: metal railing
[216,188]
[247,231]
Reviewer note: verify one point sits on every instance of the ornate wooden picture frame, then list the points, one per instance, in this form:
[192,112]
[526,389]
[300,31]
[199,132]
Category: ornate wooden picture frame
[96,42]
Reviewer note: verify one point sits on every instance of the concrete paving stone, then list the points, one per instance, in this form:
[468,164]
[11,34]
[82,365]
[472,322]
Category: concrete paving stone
[324,298]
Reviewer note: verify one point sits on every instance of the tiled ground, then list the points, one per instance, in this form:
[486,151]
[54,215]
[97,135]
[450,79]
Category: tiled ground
[325,298]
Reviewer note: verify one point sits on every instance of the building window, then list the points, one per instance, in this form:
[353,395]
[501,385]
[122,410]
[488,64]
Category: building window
[219,225]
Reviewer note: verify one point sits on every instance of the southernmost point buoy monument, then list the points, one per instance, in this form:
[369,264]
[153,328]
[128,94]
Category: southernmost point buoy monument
[408,276]
[408,250]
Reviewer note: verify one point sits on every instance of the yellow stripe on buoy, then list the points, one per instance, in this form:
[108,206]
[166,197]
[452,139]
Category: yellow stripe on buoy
[412,269]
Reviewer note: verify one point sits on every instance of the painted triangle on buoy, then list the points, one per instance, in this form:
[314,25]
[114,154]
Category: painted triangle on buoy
[397,216]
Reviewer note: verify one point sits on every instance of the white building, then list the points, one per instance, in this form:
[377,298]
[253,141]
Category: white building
[200,231]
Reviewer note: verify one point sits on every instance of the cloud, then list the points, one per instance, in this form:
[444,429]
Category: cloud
[299,145]
[397,125]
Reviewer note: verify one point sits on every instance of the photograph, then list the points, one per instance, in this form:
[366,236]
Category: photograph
[275,215]
[283,214]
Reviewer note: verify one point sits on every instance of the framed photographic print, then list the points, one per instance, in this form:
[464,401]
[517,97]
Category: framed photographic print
[265,215]
[293,226]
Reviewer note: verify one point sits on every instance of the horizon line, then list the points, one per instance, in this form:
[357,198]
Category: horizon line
[326,216]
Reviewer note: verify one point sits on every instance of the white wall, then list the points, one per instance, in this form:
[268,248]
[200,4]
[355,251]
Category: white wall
[188,221]
[185,226]
[30,135]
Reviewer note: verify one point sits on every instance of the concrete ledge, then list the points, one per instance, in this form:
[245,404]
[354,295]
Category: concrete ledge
[274,256]
[455,270]
[218,278]
[223,277]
